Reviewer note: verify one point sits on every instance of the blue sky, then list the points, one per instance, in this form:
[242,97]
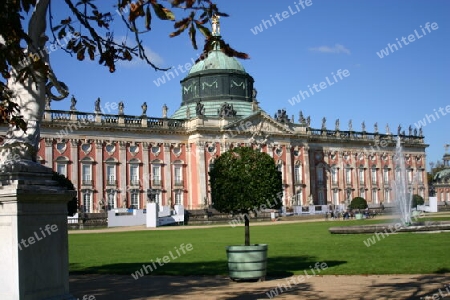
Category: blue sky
[302,47]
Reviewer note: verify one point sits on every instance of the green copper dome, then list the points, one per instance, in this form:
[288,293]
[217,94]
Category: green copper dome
[217,60]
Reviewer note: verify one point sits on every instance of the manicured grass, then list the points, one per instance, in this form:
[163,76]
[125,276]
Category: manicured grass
[293,248]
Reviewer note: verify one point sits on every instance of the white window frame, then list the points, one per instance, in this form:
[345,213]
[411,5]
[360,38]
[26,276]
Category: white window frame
[348,175]
[86,173]
[134,173]
[387,195]
[134,199]
[298,173]
[178,173]
[373,175]
[111,173]
[361,175]
[178,196]
[156,173]
[374,196]
[87,197]
[334,175]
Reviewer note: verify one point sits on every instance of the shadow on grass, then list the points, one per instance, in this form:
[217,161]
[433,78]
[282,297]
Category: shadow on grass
[276,267]
[190,277]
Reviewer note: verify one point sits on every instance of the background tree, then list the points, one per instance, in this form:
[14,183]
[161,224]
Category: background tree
[244,180]
[358,203]
[26,74]
[72,205]
[417,200]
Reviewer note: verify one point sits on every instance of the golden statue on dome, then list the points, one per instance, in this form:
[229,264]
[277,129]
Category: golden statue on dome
[215,25]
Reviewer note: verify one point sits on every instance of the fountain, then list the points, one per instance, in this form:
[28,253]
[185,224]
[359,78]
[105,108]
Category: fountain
[403,197]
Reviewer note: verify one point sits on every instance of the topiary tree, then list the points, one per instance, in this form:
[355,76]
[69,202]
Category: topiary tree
[63,181]
[417,200]
[245,180]
[358,203]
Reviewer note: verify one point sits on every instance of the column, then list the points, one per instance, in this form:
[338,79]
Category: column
[289,170]
[122,181]
[307,169]
[74,158]
[167,174]
[189,175]
[145,173]
[49,152]
[201,184]
[99,173]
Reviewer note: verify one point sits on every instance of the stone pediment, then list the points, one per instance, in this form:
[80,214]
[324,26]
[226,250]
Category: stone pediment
[260,123]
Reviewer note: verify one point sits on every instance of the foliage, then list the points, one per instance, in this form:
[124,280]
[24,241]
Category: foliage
[243,180]
[63,181]
[417,200]
[93,37]
[358,203]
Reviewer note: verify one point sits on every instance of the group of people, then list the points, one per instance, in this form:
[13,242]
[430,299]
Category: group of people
[348,214]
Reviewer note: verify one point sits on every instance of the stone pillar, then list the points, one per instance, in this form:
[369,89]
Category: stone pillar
[189,171]
[201,172]
[307,169]
[145,171]
[122,172]
[74,158]
[34,260]
[49,152]
[289,170]
[99,173]
[167,174]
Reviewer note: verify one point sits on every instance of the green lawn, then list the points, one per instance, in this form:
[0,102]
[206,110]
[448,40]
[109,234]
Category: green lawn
[292,249]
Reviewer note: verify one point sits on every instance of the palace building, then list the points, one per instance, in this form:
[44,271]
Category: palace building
[124,161]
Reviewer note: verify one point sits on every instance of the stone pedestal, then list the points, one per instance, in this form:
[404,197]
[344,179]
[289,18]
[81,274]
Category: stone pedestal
[34,262]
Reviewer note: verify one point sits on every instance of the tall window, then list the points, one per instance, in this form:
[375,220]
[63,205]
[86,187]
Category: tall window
[385,175]
[374,196]
[321,197]
[298,173]
[111,199]
[298,198]
[280,169]
[61,168]
[362,193]
[419,176]
[87,202]
[178,174]
[156,174]
[336,196]
[334,175]
[86,173]
[111,174]
[374,175]
[361,175]
[178,197]
[348,176]
[387,196]
[319,172]
[410,175]
[134,174]
[158,197]
[134,199]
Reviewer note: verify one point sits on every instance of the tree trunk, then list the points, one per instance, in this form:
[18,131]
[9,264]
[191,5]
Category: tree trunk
[247,229]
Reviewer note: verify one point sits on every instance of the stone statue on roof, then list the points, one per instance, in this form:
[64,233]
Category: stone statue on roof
[144,108]
[73,102]
[97,105]
[164,111]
